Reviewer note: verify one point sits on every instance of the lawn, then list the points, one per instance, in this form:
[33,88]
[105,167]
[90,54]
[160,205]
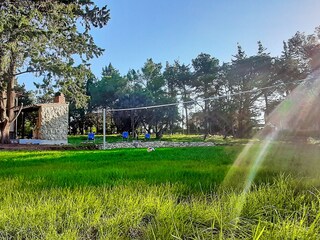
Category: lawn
[166,194]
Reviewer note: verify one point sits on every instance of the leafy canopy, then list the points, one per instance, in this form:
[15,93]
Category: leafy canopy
[48,38]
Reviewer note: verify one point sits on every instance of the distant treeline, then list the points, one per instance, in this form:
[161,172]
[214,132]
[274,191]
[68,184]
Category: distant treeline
[224,112]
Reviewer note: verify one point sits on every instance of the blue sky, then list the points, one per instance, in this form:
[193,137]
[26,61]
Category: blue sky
[168,30]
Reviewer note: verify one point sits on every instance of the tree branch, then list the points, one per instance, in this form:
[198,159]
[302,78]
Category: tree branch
[15,118]
[27,71]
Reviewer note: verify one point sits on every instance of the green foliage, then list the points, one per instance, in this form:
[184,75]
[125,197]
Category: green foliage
[106,91]
[168,193]
[236,93]
[46,38]
[131,91]
[24,97]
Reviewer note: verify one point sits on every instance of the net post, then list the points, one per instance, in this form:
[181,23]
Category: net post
[104,129]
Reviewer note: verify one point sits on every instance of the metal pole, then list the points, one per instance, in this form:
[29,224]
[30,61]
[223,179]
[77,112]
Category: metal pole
[104,128]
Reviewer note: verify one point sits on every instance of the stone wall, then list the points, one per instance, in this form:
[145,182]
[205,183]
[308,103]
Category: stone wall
[157,144]
[53,121]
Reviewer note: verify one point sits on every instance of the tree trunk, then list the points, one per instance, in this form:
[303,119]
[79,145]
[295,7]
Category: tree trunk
[206,119]
[132,125]
[4,119]
[159,134]
[5,132]
[267,111]
[187,119]
[240,122]
[225,133]
[7,102]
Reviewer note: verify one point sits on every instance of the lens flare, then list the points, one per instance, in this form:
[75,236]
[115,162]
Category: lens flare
[297,117]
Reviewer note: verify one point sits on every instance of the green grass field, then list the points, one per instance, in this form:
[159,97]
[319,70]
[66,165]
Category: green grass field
[171,193]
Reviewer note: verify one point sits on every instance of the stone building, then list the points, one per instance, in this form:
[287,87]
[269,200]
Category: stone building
[51,122]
